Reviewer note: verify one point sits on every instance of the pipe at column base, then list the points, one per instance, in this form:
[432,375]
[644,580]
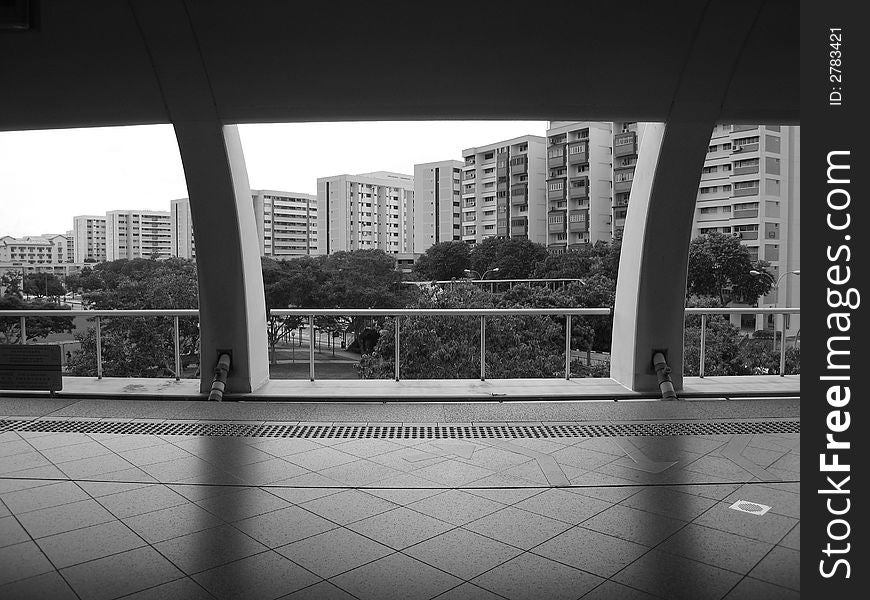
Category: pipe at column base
[663,373]
[221,370]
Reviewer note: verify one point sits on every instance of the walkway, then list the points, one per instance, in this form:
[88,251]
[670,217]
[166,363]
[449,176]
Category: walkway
[177,499]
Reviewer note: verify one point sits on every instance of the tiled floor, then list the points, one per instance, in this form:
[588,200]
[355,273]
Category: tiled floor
[135,516]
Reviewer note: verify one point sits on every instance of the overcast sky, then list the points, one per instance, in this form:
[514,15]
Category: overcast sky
[47,177]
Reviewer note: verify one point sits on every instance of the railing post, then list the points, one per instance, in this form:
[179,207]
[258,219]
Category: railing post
[23,338]
[99,350]
[310,346]
[177,350]
[567,346]
[396,343]
[482,348]
[781,347]
[703,344]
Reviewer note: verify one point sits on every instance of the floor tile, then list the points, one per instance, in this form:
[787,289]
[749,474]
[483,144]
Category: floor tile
[120,574]
[41,587]
[11,532]
[321,458]
[284,526]
[153,454]
[88,543]
[770,527]
[668,502]
[517,527]
[468,591]
[265,472]
[319,591]
[301,495]
[97,465]
[174,471]
[174,521]
[456,506]
[563,505]
[403,497]
[531,577]
[21,462]
[591,551]
[396,577]
[185,588]
[462,553]
[196,492]
[209,548]
[141,500]
[263,576]
[452,473]
[610,590]
[584,458]
[674,577]
[502,488]
[360,473]
[400,528]
[75,452]
[20,561]
[58,519]
[97,489]
[781,567]
[333,552]
[781,502]
[634,525]
[608,494]
[242,504]
[753,589]
[793,538]
[348,506]
[54,494]
[717,548]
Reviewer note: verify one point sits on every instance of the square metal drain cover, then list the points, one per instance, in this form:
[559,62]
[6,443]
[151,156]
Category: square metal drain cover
[753,508]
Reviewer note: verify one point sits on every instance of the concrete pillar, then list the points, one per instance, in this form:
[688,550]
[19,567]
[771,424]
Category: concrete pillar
[651,290]
[231,301]
[232,307]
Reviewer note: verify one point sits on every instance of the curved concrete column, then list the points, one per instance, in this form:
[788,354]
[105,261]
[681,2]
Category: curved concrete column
[651,290]
[232,307]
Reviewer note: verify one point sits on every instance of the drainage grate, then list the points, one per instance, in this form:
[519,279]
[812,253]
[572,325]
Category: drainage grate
[228,429]
[752,508]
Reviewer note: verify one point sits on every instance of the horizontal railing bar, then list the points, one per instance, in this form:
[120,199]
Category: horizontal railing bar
[388,312]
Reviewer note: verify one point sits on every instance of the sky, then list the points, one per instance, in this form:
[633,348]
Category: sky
[47,177]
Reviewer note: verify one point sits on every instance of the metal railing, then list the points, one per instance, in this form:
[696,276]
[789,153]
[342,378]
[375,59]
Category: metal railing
[396,313]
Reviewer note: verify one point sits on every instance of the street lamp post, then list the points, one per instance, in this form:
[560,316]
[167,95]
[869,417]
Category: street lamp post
[482,277]
[777,318]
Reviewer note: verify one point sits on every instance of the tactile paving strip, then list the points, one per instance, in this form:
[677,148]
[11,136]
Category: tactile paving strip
[229,429]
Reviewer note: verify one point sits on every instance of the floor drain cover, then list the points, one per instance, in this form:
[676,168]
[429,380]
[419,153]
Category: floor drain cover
[753,508]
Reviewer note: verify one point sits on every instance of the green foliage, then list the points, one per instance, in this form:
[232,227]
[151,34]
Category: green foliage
[37,327]
[138,346]
[43,285]
[728,352]
[10,283]
[719,266]
[447,347]
[443,261]
[515,259]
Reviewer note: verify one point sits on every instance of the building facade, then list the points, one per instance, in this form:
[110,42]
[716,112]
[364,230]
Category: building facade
[89,238]
[579,175]
[286,223]
[750,188]
[181,226]
[138,234]
[371,211]
[504,190]
[33,250]
[437,203]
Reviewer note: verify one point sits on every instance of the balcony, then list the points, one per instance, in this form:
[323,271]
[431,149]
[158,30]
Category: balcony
[578,188]
[745,191]
[578,153]
[745,170]
[745,148]
[556,221]
[519,226]
[556,189]
[520,194]
[745,214]
[519,165]
[620,187]
[578,221]
[556,159]
[747,235]
[624,144]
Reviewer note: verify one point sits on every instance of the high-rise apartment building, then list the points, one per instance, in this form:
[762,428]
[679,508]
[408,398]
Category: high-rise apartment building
[181,229]
[70,246]
[579,175]
[89,238]
[138,234]
[365,212]
[286,223]
[36,249]
[437,203]
[626,145]
[504,190]
[750,188]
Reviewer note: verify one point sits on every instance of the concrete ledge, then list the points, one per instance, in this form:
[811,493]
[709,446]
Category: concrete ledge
[384,390]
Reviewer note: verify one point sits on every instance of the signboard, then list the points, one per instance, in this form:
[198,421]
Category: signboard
[30,367]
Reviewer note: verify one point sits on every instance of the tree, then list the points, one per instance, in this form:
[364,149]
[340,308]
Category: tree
[444,260]
[10,283]
[43,285]
[515,258]
[139,346]
[37,327]
[719,265]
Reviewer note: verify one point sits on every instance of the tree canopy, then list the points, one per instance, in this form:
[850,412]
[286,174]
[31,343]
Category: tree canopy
[443,261]
[514,258]
[720,266]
